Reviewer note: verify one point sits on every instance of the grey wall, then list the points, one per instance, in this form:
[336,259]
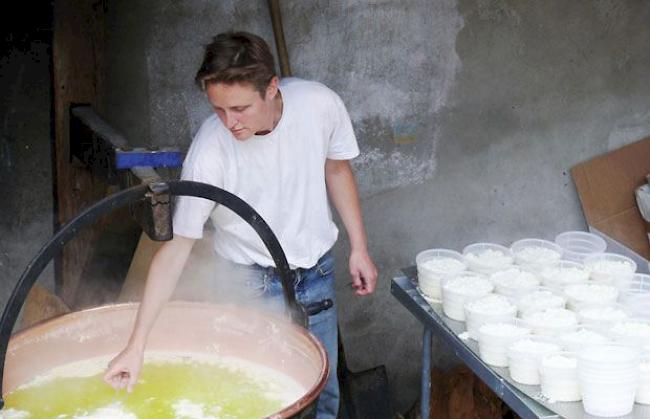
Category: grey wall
[25,157]
[538,89]
[469,114]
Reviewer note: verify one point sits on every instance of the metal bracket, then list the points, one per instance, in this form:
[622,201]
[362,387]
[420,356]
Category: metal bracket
[105,151]
[154,212]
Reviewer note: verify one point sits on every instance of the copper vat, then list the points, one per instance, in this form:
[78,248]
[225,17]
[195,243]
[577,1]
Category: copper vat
[182,327]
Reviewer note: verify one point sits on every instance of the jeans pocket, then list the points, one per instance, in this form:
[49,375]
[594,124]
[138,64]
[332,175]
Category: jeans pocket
[325,265]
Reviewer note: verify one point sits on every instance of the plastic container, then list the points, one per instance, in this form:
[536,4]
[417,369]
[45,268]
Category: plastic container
[536,254]
[487,258]
[462,288]
[551,322]
[494,339]
[563,274]
[643,390]
[524,358]
[579,244]
[602,318]
[608,376]
[559,377]
[636,296]
[434,265]
[492,308]
[514,282]
[575,341]
[633,332]
[539,299]
[610,269]
[590,295]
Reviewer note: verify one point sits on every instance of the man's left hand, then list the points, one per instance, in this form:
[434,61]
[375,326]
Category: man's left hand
[363,272]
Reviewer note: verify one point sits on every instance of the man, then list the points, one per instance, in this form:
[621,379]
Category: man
[281,147]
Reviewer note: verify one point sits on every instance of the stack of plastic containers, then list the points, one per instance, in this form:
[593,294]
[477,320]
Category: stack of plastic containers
[602,318]
[551,321]
[590,295]
[580,332]
[577,245]
[636,296]
[565,273]
[538,300]
[462,288]
[608,376]
[434,265]
[559,377]
[536,254]
[494,339]
[610,269]
[634,332]
[487,258]
[643,390]
[514,282]
[492,308]
[576,340]
[525,355]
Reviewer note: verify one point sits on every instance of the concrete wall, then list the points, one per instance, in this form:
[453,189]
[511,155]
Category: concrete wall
[469,115]
[25,156]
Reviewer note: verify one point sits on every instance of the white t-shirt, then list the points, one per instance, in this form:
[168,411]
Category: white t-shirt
[280,174]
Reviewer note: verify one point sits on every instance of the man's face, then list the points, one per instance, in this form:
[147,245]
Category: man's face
[241,108]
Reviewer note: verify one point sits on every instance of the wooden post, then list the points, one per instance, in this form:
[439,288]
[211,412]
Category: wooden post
[77,63]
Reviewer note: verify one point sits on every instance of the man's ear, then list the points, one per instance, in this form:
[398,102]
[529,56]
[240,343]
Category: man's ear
[272,88]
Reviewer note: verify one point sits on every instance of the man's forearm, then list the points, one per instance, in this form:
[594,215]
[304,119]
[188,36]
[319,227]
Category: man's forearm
[343,192]
[164,272]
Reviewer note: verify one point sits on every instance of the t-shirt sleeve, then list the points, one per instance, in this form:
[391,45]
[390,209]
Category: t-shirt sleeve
[343,143]
[191,213]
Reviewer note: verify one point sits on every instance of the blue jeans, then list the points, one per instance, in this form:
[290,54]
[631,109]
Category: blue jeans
[311,285]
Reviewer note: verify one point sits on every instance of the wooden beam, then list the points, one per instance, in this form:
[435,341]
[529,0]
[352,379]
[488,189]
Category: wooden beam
[77,66]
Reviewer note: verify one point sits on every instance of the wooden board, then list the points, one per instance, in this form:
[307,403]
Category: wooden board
[77,54]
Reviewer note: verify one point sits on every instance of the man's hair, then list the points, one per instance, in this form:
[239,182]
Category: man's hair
[237,57]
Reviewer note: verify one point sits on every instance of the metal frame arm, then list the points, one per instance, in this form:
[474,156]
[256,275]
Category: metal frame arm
[120,199]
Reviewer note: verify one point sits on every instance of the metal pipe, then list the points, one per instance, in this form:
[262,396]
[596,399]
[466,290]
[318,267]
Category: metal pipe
[278,33]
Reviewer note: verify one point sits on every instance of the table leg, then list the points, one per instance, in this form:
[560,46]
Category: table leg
[426,374]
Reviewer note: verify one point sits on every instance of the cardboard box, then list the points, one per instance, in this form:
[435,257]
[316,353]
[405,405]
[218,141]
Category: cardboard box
[606,186]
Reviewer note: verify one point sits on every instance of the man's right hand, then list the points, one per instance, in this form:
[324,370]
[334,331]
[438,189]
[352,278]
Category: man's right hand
[124,370]
[164,271]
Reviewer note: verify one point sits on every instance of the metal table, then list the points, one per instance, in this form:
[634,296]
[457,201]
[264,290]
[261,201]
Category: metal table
[525,400]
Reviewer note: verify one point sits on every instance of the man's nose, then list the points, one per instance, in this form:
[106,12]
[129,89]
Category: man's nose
[231,121]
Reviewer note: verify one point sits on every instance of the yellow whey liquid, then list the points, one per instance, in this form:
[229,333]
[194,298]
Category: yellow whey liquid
[170,386]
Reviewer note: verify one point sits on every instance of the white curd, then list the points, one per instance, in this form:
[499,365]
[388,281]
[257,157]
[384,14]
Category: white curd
[524,357]
[539,300]
[514,282]
[458,290]
[551,321]
[590,295]
[494,340]
[576,340]
[433,266]
[491,308]
[559,378]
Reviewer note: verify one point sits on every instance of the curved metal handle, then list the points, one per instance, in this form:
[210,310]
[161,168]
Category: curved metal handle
[108,204]
[248,214]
